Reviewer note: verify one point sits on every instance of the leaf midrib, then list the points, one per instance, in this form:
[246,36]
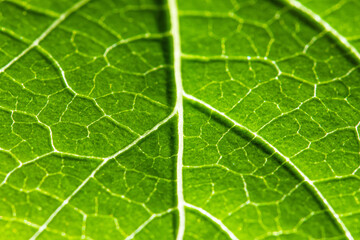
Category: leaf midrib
[175,31]
[179,110]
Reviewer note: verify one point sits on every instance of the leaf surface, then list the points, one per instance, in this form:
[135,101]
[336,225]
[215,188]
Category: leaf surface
[179,120]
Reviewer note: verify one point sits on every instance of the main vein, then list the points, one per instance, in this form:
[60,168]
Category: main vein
[175,31]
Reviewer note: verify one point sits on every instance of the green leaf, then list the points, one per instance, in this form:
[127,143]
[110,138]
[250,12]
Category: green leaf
[153,119]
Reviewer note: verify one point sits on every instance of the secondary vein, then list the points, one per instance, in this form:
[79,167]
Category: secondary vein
[287,160]
[36,42]
[325,25]
[92,175]
[214,219]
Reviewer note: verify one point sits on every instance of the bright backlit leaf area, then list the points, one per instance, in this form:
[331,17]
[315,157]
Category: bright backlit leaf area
[179,119]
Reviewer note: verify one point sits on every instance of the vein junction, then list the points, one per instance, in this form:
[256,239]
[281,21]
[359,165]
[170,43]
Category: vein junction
[254,89]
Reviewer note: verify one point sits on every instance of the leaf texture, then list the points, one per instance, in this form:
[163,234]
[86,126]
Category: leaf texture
[152,119]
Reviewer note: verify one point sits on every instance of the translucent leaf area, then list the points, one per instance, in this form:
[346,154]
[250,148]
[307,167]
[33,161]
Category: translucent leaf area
[179,119]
